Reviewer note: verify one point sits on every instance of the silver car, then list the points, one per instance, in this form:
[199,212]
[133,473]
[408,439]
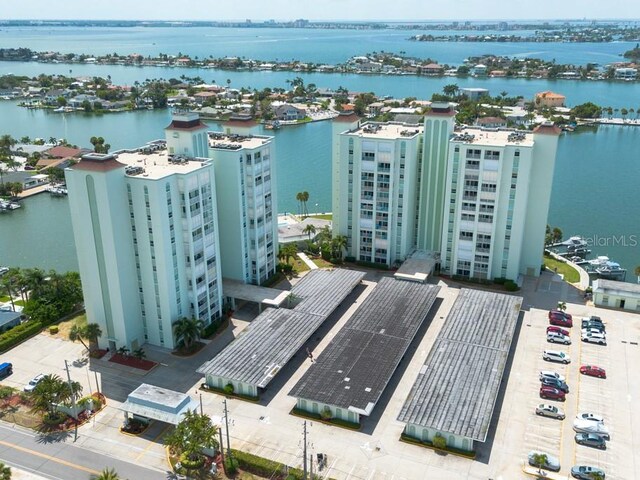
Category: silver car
[546,410]
[552,462]
[29,387]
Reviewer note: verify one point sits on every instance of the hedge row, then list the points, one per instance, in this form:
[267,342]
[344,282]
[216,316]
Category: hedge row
[18,334]
[264,467]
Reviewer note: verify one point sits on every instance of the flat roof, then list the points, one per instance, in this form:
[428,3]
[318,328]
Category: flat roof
[158,403]
[354,369]
[156,165]
[253,293]
[492,137]
[417,267]
[602,285]
[231,141]
[457,387]
[272,338]
[390,131]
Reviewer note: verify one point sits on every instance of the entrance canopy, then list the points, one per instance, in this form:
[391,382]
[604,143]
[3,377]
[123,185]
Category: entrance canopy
[254,293]
[158,404]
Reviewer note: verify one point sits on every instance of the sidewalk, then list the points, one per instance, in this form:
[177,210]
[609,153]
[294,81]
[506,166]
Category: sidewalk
[307,260]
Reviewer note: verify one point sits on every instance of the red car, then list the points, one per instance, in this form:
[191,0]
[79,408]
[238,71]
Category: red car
[554,329]
[593,371]
[557,317]
[551,393]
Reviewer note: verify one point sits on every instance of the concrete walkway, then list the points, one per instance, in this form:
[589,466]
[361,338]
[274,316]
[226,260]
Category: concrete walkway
[307,260]
[584,276]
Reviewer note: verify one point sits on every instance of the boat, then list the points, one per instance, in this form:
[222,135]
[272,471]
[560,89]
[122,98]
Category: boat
[574,242]
[7,205]
[599,261]
[57,190]
[274,125]
[611,270]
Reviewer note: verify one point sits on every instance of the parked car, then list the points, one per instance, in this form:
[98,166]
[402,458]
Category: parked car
[593,371]
[560,313]
[546,410]
[29,387]
[558,318]
[597,338]
[552,393]
[585,472]
[592,330]
[554,337]
[592,417]
[555,383]
[552,462]
[555,329]
[556,356]
[6,369]
[593,322]
[587,426]
[550,374]
[591,440]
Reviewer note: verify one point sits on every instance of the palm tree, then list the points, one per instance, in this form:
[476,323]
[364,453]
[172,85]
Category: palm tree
[76,333]
[540,459]
[51,391]
[305,199]
[309,229]
[34,279]
[299,196]
[338,244]
[108,474]
[5,472]
[92,332]
[187,331]
[450,90]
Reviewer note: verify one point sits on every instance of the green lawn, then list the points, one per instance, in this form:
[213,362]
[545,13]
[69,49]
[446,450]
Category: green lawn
[323,216]
[19,302]
[570,274]
[4,298]
[322,263]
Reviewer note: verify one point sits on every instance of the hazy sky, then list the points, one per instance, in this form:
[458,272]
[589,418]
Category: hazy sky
[320,9]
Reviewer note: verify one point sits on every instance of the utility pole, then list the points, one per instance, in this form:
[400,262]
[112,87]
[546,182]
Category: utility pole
[304,449]
[226,421]
[311,466]
[201,409]
[73,402]
[221,447]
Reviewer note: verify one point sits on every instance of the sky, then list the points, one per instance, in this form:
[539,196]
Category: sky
[258,10]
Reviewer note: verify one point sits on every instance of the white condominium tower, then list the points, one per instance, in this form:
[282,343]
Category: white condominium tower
[246,192]
[374,189]
[496,201]
[155,231]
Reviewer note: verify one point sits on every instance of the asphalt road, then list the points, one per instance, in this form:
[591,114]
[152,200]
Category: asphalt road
[57,458]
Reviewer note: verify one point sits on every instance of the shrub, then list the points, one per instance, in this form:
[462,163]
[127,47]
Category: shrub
[228,389]
[211,329]
[54,418]
[230,466]
[5,392]
[326,414]
[511,286]
[18,334]
[53,329]
[264,467]
[191,463]
[499,280]
[439,442]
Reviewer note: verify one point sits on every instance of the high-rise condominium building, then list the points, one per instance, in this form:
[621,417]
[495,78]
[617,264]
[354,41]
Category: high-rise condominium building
[155,232]
[374,189]
[477,197]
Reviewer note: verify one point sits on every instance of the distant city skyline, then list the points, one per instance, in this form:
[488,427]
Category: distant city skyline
[328,10]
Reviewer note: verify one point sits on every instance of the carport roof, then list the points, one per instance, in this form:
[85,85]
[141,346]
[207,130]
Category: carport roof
[457,387]
[253,293]
[158,403]
[354,369]
[269,342]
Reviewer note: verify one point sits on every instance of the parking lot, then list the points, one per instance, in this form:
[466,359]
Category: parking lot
[266,428]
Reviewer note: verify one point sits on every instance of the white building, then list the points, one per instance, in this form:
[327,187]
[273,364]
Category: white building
[626,73]
[374,188]
[498,188]
[146,232]
[246,192]
[613,294]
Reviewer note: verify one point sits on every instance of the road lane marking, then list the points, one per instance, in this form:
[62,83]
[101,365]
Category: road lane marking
[50,458]
[152,442]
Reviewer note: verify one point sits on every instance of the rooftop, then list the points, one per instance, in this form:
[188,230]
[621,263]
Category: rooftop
[158,403]
[492,137]
[253,293]
[157,164]
[354,369]
[231,141]
[389,130]
[418,266]
[601,285]
[269,342]
[457,387]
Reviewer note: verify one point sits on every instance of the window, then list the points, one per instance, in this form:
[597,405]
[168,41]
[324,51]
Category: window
[464,235]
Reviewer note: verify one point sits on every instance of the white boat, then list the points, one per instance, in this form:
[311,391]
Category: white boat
[611,270]
[599,261]
[575,242]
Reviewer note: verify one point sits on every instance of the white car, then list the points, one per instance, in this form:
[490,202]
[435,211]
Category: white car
[29,387]
[590,416]
[556,356]
[552,375]
[587,426]
[554,337]
[546,410]
[598,338]
[592,330]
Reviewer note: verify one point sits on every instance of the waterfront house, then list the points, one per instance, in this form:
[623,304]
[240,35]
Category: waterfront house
[479,70]
[288,112]
[431,69]
[62,151]
[27,179]
[491,122]
[375,108]
[50,163]
[202,97]
[474,93]
[626,73]
[549,99]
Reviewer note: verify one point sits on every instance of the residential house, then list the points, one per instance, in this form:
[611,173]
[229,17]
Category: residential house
[288,112]
[491,122]
[626,73]
[432,69]
[549,99]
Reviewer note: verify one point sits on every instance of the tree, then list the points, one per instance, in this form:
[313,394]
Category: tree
[190,436]
[187,331]
[52,391]
[92,332]
[338,244]
[556,235]
[108,474]
[5,472]
[450,90]
[309,229]
[76,334]
[99,145]
[562,306]
[287,251]
[305,199]
[540,460]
